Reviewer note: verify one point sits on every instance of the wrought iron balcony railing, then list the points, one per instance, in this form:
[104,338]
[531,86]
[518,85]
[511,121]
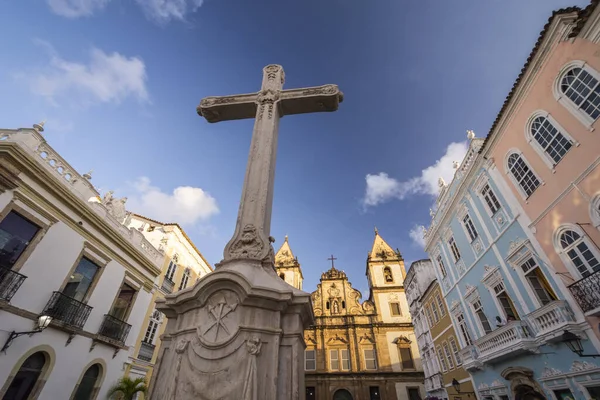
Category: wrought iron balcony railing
[114,328]
[67,310]
[586,292]
[146,351]
[10,282]
[168,285]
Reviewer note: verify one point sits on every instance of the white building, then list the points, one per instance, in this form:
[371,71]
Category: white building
[418,279]
[64,254]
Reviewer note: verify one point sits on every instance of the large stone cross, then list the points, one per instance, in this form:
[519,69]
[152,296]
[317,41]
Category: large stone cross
[251,239]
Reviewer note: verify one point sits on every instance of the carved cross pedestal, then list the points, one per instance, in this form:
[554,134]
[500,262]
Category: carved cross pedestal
[239,332]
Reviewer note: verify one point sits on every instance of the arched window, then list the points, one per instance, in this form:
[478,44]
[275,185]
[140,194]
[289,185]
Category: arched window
[579,86]
[522,175]
[549,139]
[387,274]
[26,378]
[282,276]
[342,394]
[87,386]
[579,252]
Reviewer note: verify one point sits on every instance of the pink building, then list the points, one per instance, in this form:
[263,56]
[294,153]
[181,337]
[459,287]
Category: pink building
[545,147]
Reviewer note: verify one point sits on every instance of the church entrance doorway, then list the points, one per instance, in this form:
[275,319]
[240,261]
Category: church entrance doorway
[342,394]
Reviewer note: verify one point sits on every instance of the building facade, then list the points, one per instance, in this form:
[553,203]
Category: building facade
[359,350]
[182,266]
[68,265]
[419,278]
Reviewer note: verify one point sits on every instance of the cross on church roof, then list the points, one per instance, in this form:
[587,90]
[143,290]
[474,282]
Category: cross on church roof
[332,258]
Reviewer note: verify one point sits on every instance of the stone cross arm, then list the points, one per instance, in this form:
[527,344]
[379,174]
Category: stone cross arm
[291,101]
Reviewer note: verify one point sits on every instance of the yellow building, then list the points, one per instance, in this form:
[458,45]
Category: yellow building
[183,266]
[446,344]
[359,350]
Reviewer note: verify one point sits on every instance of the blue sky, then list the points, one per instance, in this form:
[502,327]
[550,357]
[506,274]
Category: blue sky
[118,82]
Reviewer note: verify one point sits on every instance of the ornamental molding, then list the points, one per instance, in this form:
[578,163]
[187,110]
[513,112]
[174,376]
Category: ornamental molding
[337,338]
[551,372]
[579,366]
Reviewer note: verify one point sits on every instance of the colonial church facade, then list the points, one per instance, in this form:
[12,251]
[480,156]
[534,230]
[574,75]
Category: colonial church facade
[360,350]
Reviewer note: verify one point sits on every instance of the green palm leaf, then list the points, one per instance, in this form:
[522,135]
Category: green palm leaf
[126,388]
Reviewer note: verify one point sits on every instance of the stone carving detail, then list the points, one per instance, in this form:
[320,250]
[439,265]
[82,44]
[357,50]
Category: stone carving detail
[549,372]
[219,325]
[500,220]
[333,291]
[333,273]
[250,392]
[115,207]
[579,366]
[483,386]
[213,101]
[477,246]
[272,70]
[337,338]
[249,245]
[326,89]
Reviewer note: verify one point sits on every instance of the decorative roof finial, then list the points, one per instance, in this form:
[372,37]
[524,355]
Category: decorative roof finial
[88,175]
[286,238]
[39,127]
[376,231]
[441,182]
[470,134]
[455,164]
[431,212]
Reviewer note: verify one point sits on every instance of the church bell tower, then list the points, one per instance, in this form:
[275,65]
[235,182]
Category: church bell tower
[287,266]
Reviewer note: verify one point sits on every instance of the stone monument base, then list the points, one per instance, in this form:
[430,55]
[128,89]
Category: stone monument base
[237,334]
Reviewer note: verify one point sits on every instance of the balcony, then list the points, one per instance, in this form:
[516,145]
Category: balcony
[146,351]
[469,357]
[507,341]
[549,322]
[115,329]
[168,285]
[67,310]
[434,382]
[10,282]
[586,292]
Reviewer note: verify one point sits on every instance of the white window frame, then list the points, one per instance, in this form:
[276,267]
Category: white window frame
[441,304]
[512,178]
[448,354]
[595,211]
[463,328]
[563,254]
[537,147]
[482,196]
[170,274]
[451,238]
[374,359]
[565,101]
[185,278]
[155,321]
[455,349]
[439,260]
[339,352]
[478,322]
[441,359]
[464,222]
[306,359]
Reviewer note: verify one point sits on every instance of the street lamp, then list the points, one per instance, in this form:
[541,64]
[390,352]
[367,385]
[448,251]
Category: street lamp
[456,386]
[42,323]
[573,342]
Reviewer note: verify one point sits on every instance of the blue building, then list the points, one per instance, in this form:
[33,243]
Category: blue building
[507,304]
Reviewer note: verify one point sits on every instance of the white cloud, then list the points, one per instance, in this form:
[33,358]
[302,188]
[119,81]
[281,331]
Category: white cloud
[416,234]
[163,11]
[160,11]
[105,78]
[186,205]
[76,8]
[381,187]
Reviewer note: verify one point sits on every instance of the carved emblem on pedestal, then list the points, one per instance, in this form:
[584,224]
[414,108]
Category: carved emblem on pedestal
[248,246]
[220,325]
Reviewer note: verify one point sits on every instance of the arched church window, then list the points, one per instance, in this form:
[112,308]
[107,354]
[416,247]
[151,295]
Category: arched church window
[327,305]
[387,274]
[522,175]
[583,90]
[343,304]
[549,139]
[579,251]
[335,307]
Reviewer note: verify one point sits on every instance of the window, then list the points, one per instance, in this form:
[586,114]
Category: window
[550,140]
[508,308]
[562,394]
[454,249]
[339,358]
[395,308]
[436,316]
[464,330]
[28,375]
[441,304]
[491,201]
[153,324]
[455,350]
[86,387]
[184,279]
[428,314]
[282,276]
[311,393]
[478,309]
[387,274]
[448,355]
[123,302]
[440,264]
[310,360]
[582,89]
[578,251]
[16,232]
[171,270]
[522,174]
[537,281]
[81,279]
[413,394]
[470,228]
[594,392]
[370,361]
[374,393]
[442,359]
[406,357]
